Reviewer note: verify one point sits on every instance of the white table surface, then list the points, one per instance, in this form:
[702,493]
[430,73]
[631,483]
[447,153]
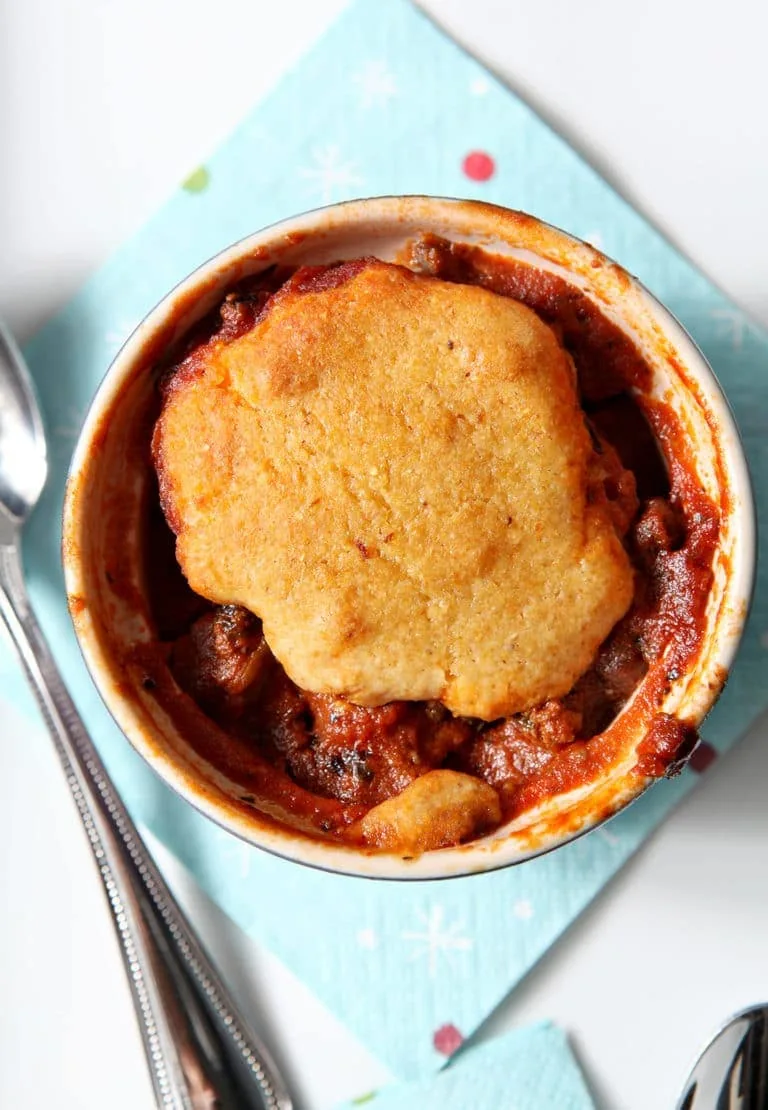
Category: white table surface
[105,106]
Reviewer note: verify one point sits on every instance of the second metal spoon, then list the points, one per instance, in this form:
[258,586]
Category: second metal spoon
[732,1071]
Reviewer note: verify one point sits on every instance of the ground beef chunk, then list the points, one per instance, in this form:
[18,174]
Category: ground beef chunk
[615,485]
[639,638]
[365,755]
[223,657]
[620,666]
[239,314]
[511,752]
[588,700]
[660,528]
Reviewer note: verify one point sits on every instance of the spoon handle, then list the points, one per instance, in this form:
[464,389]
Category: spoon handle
[201,1054]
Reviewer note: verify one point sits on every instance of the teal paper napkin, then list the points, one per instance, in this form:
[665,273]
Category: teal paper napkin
[530,1069]
[385,103]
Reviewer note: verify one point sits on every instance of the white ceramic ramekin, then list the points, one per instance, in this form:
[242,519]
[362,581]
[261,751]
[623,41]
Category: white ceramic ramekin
[109,622]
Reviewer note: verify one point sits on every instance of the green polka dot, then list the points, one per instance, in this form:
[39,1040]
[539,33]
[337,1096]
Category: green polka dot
[362,1099]
[198,181]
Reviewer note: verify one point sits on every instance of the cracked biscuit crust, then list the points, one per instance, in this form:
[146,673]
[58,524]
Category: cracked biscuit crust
[394,473]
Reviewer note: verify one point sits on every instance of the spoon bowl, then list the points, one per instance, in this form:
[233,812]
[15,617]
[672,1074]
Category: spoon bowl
[23,453]
[732,1071]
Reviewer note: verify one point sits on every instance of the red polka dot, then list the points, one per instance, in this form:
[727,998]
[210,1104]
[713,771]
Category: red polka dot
[479,166]
[447,1040]
[702,756]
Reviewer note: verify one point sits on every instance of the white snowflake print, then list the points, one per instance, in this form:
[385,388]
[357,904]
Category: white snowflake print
[117,335]
[376,84]
[330,178]
[68,427]
[609,836]
[734,324]
[367,938]
[522,910]
[479,86]
[437,937]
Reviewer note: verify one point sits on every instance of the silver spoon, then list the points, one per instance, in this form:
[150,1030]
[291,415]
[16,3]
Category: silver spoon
[732,1071]
[201,1053]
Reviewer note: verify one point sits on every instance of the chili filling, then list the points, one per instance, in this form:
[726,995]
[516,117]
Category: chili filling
[328,761]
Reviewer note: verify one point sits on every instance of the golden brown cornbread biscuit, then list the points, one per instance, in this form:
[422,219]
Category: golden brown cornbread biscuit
[394,473]
[434,811]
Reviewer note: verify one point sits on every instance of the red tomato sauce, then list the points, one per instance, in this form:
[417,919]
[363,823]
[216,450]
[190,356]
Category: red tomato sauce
[327,761]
